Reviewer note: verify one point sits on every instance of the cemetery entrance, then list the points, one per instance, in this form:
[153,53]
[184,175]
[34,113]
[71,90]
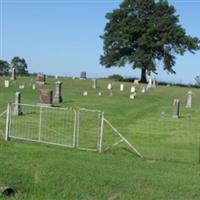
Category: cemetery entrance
[68,127]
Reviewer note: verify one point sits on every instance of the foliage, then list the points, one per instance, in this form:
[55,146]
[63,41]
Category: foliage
[4,67]
[20,65]
[143,32]
[116,77]
[197,79]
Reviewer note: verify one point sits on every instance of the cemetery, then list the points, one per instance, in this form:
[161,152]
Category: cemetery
[98,100]
[158,126]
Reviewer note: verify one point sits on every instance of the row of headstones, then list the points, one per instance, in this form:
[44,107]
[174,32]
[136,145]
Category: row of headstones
[176,105]
[46,98]
[21,86]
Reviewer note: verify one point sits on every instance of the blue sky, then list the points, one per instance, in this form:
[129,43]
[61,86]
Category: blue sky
[62,37]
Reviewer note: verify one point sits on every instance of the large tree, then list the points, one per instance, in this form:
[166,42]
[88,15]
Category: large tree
[142,32]
[20,65]
[4,67]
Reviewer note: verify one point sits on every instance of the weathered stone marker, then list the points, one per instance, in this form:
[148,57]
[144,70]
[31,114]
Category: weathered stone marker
[189,99]
[122,87]
[110,88]
[6,83]
[13,74]
[17,106]
[33,87]
[154,83]
[83,76]
[176,108]
[94,83]
[40,79]
[58,96]
[46,98]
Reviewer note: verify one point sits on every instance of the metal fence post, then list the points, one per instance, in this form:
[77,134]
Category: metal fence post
[77,128]
[7,123]
[40,124]
[101,133]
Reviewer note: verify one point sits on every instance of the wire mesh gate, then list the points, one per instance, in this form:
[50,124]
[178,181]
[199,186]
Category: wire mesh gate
[80,128]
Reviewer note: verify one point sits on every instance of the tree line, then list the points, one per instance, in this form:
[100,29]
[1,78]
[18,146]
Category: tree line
[17,63]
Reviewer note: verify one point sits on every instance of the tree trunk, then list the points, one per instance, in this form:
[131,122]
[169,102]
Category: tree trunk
[143,76]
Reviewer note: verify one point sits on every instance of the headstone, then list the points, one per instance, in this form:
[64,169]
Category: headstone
[41,79]
[189,99]
[13,74]
[94,83]
[133,90]
[46,98]
[122,87]
[85,93]
[143,89]
[154,83]
[136,82]
[132,96]
[150,83]
[109,86]
[6,83]
[83,76]
[99,93]
[21,86]
[33,87]
[57,96]
[56,76]
[176,108]
[17,106]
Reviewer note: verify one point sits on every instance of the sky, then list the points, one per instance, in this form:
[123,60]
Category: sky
[61,37]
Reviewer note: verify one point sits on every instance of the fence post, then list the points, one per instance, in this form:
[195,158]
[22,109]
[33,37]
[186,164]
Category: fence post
[75,127]
[7,123]
[101,133]
[78,127]
[40,124]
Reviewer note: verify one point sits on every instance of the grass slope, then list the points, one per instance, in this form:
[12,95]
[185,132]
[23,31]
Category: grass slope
[45,172]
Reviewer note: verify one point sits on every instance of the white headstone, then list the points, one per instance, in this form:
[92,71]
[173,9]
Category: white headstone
[56,76]
[85,93]
[154,83]
[109,86]
[33,87]
[189,99]
[21,87]
[6,83]
[99,93]
[122,87]
[136,82]
[150,83]
[94,83]
[133,90]
[132,96]
[143,89]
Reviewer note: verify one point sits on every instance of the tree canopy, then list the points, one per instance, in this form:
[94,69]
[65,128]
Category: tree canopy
[20,65]
[141,32]
[4,67]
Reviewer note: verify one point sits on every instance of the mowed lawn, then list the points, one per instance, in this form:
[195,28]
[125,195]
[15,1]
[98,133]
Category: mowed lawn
[170,147]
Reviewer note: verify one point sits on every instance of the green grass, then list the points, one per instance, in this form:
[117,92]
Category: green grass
[169,169]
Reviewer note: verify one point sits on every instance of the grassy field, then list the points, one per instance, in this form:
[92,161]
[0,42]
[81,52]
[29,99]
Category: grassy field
[170,147]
